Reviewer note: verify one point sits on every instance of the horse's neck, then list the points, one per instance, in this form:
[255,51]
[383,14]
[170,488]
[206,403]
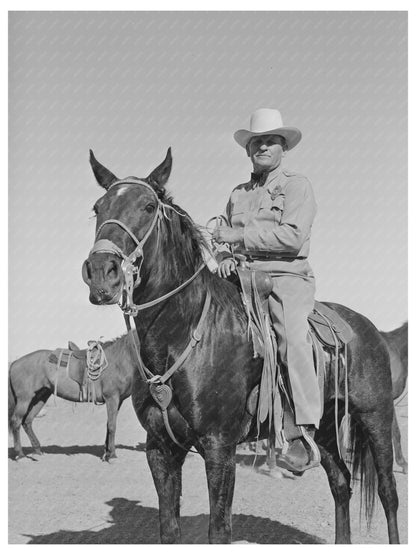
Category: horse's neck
[184,305]
[402,347]
[399,339]
[168,325]
[120,350]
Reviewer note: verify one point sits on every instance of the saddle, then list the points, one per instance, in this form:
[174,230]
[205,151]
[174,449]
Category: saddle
[329,335]
[61,358]
[326,325]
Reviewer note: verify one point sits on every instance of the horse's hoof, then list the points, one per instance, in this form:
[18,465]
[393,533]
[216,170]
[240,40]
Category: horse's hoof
[275,473]
[108,457]
[38,452]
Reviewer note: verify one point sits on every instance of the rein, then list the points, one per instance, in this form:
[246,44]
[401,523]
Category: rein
[171,293]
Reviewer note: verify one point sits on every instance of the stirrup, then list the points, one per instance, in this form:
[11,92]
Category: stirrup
[315,459]
[314,456]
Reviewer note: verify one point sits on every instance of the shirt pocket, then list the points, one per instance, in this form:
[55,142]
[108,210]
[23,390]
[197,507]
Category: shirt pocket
[271,209]
[238,213]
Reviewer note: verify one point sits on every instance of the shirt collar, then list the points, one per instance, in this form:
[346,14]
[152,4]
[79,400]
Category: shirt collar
[260,179]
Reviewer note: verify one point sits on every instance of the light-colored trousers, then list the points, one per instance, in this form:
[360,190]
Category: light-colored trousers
[290,303]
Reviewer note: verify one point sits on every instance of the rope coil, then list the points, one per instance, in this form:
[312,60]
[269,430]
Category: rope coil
[96,360]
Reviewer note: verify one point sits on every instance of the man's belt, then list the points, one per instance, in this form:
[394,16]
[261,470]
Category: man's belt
[269,255]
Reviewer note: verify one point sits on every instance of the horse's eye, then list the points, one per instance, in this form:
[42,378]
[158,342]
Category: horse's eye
[150,208]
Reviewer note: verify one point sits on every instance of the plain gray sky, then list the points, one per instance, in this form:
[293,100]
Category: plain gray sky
[131,84]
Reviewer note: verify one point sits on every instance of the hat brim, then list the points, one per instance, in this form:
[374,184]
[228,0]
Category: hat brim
[292,135]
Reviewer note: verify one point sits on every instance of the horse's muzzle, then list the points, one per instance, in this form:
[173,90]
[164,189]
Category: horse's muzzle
[104,281]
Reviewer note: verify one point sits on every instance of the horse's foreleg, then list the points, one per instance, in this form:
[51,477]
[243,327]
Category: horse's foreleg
[166,469]
[339,479]
[113,405]
[220,469]
[397,444]
[27,426]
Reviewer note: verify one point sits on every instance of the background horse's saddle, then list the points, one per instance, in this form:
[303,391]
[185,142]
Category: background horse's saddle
[61,358]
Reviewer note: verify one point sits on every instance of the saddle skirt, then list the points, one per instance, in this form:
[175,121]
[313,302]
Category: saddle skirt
[328,326]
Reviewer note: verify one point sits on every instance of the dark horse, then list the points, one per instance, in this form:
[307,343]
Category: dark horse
[213,384]
[397,341]
[33,379]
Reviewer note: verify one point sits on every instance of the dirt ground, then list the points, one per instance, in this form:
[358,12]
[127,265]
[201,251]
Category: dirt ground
[69,496]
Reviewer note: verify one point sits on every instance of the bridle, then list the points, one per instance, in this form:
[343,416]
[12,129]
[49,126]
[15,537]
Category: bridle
[158,388]
[129,267]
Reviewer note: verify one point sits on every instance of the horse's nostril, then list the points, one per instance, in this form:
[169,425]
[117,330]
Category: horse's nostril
[112,270]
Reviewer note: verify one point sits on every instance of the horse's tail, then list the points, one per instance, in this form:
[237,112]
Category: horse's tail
[363,469]
[12,399]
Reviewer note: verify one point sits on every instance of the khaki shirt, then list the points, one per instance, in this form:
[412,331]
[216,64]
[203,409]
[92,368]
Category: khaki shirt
[276,215]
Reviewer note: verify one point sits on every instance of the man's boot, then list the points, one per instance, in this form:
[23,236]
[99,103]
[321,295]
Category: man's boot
[302,453]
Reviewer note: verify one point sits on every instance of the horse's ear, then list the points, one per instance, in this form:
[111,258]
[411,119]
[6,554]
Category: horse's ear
[103,176]
[159,176]
[72,346]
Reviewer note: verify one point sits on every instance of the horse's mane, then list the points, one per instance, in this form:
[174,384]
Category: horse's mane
[117,347]
[182,243]
[116,340]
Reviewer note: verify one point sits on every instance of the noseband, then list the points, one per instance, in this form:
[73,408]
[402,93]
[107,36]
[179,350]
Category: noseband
[130,271]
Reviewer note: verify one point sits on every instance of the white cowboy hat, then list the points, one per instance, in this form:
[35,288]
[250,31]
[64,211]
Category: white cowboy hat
[266,121]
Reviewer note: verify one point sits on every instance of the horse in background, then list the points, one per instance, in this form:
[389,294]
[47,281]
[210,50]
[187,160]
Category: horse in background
[397,344]
[149,255]
[33,379]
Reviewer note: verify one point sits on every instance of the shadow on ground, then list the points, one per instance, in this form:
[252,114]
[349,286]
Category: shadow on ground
[131,523]
[95,450]
[243,457]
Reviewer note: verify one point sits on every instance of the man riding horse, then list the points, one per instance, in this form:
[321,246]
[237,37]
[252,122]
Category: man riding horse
[269,221]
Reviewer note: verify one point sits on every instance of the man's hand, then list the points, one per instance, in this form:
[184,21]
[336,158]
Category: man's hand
[226,267]
[225,234]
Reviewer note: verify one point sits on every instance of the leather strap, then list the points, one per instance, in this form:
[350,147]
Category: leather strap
[161,392]
[336,378]
[170,293]
[195,339]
